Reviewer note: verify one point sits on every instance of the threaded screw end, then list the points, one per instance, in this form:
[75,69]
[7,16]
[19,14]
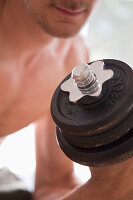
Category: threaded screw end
[86,80]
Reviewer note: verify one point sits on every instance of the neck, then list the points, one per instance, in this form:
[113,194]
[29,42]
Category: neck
[19,30]
[114,182]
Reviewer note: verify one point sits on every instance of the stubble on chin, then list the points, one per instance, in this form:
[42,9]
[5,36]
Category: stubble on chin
[48,23]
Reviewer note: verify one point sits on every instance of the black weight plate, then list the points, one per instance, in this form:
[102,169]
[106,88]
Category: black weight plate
[106,137]
[101,156]
[76,120]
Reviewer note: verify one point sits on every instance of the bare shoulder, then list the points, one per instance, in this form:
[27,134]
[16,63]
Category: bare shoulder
[78,53]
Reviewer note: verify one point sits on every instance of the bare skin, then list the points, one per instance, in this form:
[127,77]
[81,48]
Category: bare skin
[107,183]
[28,56]
[32,64]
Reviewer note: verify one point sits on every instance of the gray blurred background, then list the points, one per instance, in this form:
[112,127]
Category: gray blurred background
[109,32]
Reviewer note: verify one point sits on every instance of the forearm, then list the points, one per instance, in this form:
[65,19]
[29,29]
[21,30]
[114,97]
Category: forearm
[52,166]
[114,182]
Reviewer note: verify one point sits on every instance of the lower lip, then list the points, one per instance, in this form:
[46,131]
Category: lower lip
[67,13]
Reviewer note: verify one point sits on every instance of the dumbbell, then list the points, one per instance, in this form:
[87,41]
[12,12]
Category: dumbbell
[93,111]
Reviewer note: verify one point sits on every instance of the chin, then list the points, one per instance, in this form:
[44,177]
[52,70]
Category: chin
[64,32]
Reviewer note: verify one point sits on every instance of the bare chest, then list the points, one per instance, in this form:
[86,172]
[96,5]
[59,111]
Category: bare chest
[27,92]
[38,85]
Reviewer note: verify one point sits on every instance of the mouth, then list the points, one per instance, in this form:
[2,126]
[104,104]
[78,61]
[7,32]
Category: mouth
[67,12]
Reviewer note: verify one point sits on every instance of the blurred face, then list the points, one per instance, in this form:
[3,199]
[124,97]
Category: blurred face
[60,18]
